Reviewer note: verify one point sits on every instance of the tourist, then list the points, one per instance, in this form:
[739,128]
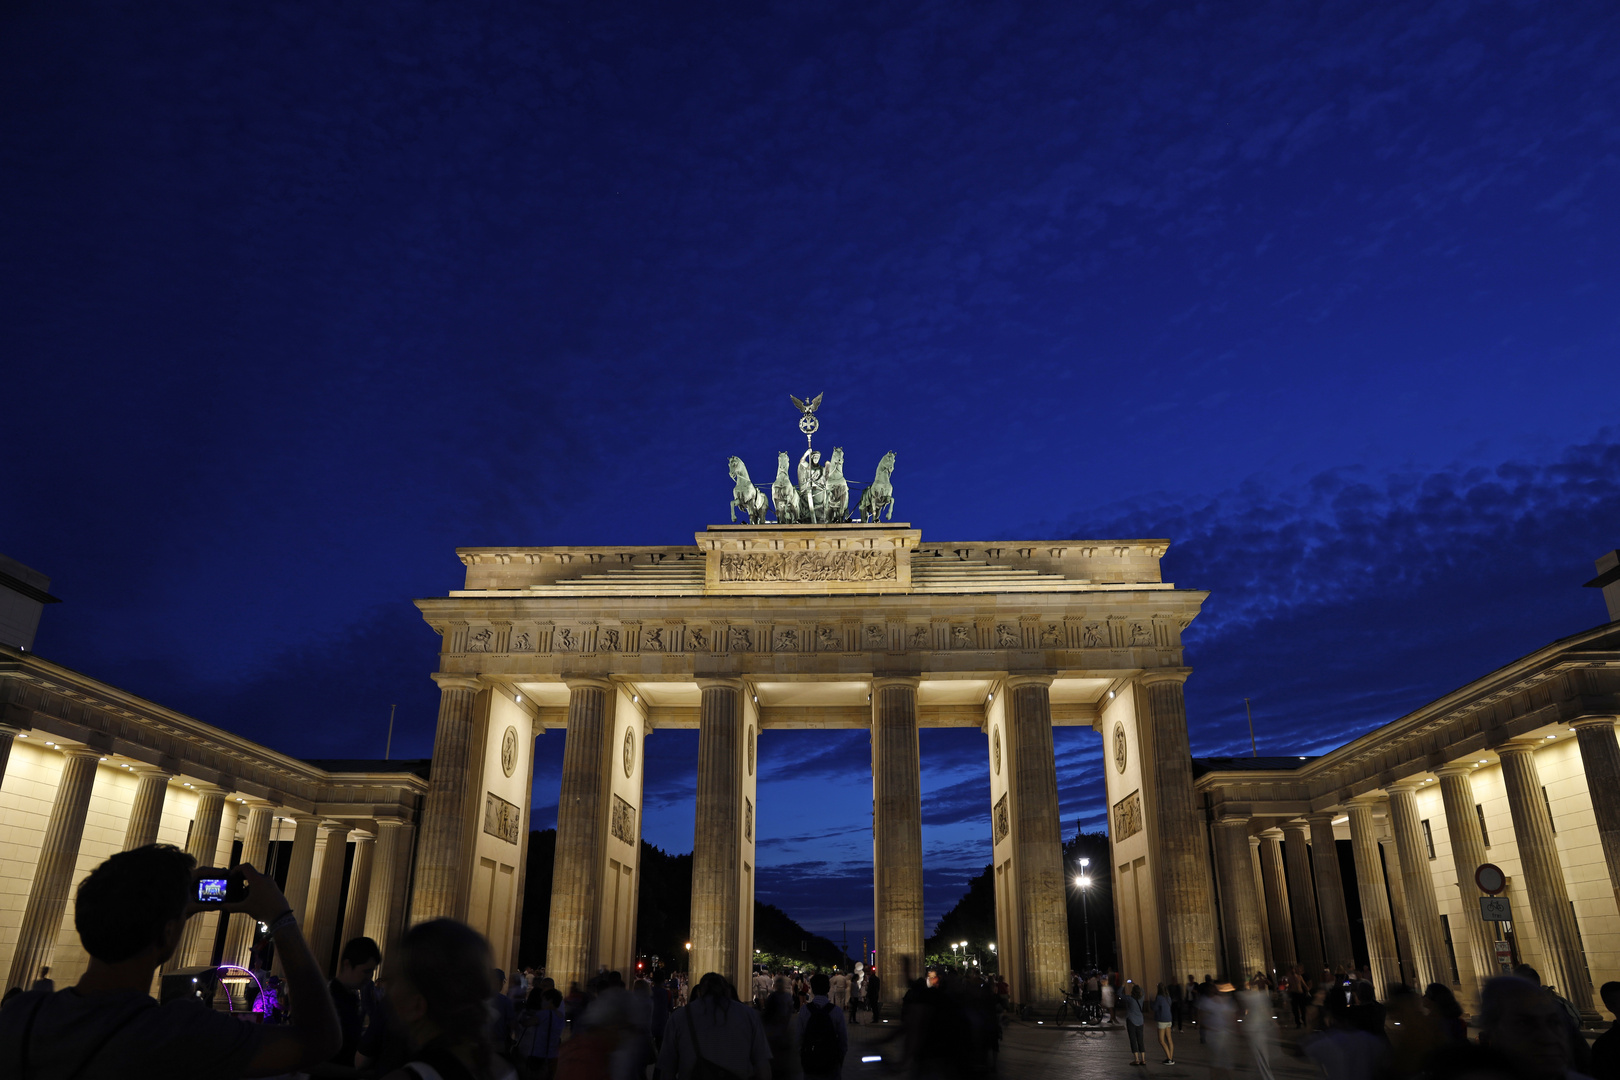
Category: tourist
[1526,1024]
[720,1030]
[541,1026]
[1343,1049]
[130,913]
[821,1033]
[440,983]
[1605,1063]
[1162,1010]
[1106,997]
[503,1020]
[357,963]
[1447,1012]
[874,989]
[777,1018]
[1217,1021]
[1299,997]
[1258,1022]
[1132,1005]
[839,992]
[1189,1005]
[44,982]
[660,1013]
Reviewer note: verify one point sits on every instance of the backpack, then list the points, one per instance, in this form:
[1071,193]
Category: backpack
[818,1048]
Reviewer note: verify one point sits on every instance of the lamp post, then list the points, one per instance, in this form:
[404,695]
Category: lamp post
[1083,883]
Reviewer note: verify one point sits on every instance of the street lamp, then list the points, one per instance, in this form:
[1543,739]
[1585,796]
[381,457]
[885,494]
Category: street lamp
[1083,883]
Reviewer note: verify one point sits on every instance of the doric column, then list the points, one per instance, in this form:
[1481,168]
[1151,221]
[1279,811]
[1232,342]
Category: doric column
[202,847]
[301,867]
[1376,920]
[1180,861]
[321,925]
[354,913]
[1560,963]
[1037,840]
[1422,906]
[1283,953]
[53,873]
[717,839]
[255,848]
[1270,966]
[1397,902]
[582,827]
[8,732]
[1600,758]
[146,812]
[1475,951]
[385,906]
[897,868]
[443,870]
[1338,951]
[1302,897]
[1240,906]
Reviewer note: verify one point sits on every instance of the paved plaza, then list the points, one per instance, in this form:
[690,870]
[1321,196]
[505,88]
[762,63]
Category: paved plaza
[1038,1052]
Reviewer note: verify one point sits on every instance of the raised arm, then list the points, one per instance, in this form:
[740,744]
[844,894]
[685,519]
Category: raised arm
[314,1034]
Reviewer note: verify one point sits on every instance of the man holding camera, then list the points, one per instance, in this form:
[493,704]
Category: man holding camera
[130,913]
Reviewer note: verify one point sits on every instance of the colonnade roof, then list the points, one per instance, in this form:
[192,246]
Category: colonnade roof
[1535,697]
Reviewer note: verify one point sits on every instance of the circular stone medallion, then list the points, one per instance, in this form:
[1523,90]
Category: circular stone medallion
[1122,751]
[995,749]
[750,749]
[629,751]
[509,751]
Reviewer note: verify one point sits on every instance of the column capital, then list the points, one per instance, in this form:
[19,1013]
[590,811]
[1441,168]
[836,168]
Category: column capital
[1158,675]
[1322,817]
[12,730]
[1401,785]
[708,682]
[1519,746]
[1272,833]
[1456,768]
[908,681]
[1228,820]
[1298,824]
[152,770]
[449,680]
[305,819]
[332,828]
[209,789]
[1369,801]
[1013,682]
[1593,722]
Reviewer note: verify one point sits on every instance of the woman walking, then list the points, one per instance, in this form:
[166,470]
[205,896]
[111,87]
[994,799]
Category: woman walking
[1163,1008]
[1131,1004]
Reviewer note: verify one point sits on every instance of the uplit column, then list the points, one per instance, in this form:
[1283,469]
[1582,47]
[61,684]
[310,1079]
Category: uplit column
[53,873]
[1180,861]
[1397,902]
[1560,963]
[1283,952]
[323,912]
[385,906]
[1302,897]
[1240,907]
[301,867]
[897,870]
[146,812]
[354,913]
[1600,758]
[1338,952]
[1270,966]
[1474,946]
[1376,921]
[582,830]
[717,838]
[255,848]
[204,840]
[1422,906]
[8,732]
[443,869]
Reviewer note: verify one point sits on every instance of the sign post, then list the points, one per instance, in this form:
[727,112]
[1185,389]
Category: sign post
[1494,908]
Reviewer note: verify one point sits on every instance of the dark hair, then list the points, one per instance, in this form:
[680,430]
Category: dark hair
[449,964]
[1608,993]
[358,951]
[123,905]
[1444,1001]
[554,997]
[819,983]
[535,1000]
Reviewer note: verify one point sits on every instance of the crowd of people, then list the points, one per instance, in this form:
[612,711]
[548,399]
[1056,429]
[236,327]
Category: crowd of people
[438,1009]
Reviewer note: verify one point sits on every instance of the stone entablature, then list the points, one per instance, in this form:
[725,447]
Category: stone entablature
[48,701]
[1575,677]
[794,559]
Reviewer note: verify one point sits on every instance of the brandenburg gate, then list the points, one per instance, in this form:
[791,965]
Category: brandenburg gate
[861,625]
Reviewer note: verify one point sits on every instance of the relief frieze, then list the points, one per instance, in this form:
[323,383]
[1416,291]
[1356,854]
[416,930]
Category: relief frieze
[808,566]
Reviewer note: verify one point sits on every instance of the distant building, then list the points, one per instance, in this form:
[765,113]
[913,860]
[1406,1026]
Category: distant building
[22,598]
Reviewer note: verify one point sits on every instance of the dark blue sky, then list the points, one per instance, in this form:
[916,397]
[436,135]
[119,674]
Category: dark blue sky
[297,299]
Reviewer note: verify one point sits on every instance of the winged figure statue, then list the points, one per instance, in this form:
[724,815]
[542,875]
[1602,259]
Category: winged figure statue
[808,408]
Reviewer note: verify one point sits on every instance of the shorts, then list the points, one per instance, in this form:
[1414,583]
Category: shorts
[1163,1024]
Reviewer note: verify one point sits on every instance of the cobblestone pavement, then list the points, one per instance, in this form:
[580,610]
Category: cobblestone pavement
[1040,1052]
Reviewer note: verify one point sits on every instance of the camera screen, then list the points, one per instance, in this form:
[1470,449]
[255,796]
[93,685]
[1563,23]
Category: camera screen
[211,890]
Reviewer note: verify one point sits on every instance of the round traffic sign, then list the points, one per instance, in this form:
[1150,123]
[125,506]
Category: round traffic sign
[1490,879]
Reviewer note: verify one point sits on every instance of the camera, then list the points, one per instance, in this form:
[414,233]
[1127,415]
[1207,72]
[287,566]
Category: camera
[216,886]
